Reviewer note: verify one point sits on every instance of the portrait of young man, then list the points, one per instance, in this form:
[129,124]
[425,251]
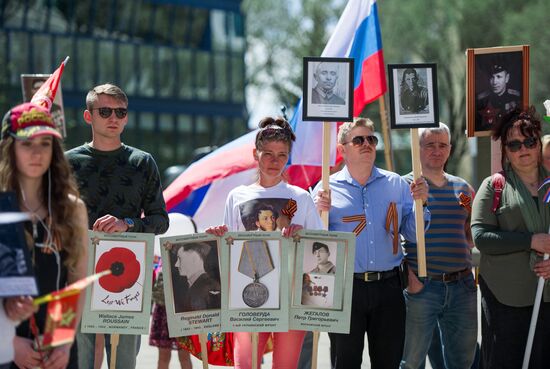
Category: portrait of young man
[193,287]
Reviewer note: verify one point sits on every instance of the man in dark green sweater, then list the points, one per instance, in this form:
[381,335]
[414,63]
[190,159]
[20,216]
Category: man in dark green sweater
[122,191]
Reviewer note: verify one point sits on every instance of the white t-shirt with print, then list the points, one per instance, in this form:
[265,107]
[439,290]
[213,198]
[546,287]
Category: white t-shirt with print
[243,200]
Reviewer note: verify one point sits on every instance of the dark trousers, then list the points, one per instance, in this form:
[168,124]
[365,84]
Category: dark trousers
[377,308]
[504,331]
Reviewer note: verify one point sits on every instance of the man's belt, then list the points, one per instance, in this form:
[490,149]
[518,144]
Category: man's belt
[376,276]
[451,277]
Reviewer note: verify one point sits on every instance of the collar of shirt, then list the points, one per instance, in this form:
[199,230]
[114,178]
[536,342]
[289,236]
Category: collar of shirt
[345,176]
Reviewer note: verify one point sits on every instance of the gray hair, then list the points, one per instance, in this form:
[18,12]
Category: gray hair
[443,128]
[545,141]
[348,126]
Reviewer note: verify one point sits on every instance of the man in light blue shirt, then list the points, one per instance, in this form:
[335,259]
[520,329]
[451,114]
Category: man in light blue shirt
[363,199]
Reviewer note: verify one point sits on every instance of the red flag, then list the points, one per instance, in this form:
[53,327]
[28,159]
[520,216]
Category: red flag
[60,322]
[62,312]
[46,93]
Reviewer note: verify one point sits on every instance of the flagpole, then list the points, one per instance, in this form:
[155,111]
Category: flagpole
[418,207]
[254,339]
[203,339]
[534,318]
[114,346]
[325,174]
[385,133]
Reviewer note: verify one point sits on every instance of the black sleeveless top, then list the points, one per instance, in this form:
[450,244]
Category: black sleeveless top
[45,272]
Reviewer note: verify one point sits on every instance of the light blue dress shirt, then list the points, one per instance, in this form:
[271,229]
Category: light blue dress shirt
[374,245]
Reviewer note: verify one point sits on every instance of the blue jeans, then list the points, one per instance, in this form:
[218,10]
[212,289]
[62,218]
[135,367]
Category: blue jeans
[127,350]
[435,353]
[452,305]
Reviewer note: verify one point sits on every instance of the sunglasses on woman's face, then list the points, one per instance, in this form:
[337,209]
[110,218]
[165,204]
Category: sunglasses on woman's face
[360,140]
[106,112]
[515,145]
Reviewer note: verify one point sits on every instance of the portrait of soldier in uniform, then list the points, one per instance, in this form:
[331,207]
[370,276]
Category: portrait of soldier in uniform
[498,98]
[322,254]
[326,75]
[413,97]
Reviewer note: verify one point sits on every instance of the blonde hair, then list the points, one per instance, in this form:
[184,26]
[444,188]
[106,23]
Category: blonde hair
[348,126]
[545,141]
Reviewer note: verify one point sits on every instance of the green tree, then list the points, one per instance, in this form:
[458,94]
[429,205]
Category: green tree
[279,34]
[412,31]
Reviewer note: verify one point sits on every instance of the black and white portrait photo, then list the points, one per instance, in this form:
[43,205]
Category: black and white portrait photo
[413,95]
[325,91]
[328,89]
[195,276]
[496,85]
[320,257]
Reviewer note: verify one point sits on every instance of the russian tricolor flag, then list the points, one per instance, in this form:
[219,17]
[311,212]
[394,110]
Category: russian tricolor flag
[546,197]
[201,190]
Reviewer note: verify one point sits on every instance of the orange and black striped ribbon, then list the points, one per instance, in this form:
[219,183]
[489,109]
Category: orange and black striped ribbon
[465,201]
[391,218]
[290,209]
[362,219]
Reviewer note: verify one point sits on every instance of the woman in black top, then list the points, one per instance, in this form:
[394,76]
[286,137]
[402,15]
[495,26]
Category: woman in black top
[32,164]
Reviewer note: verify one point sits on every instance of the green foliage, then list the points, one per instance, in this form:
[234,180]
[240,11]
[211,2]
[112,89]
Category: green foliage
[412,31]
[279,34]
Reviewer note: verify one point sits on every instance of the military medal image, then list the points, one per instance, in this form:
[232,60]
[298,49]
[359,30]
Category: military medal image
[255,262]
[318,290]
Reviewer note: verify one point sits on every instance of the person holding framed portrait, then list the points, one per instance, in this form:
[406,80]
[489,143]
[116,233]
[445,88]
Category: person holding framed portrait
[272,149]
[510,222]
[123,193]
[376,205]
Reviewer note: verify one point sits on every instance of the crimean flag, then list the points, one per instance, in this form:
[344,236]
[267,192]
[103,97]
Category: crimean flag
[201,190]
[61,313]
[46,93]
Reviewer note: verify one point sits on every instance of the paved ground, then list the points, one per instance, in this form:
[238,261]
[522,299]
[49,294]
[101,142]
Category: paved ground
[147,358]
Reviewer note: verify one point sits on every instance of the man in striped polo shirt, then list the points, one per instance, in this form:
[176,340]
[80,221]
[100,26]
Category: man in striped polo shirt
[447,297]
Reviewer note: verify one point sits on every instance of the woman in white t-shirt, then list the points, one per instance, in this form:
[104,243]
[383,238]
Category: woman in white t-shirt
[270,204]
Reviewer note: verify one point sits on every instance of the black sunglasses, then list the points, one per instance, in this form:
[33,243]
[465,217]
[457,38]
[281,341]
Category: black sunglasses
[360,140]
[106,112]
[515,145]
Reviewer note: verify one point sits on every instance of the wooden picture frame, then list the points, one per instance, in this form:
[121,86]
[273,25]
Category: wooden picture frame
[497,81]
[328,89]
[413,95]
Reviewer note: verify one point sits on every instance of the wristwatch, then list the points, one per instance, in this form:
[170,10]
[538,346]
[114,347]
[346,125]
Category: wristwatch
[129,222]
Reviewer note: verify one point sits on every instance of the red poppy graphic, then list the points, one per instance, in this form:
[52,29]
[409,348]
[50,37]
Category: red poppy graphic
[124,266]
